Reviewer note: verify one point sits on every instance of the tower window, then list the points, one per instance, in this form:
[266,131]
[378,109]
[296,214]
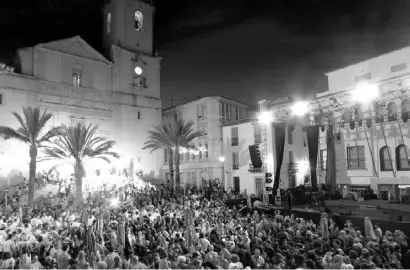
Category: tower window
[108,23]
[1,99]
[139,115]
[77,76]
[139,20]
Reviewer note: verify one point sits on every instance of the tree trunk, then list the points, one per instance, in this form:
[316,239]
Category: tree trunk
[32,175]
[177,175]
[171,167]
[79,174]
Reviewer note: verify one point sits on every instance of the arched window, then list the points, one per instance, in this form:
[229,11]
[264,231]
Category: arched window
[108,23]
[385,155]
[405,106]
[392,111]
[402,161]
[139,20]
[378,111]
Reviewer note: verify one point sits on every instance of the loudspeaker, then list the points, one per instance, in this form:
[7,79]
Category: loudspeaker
[255,156]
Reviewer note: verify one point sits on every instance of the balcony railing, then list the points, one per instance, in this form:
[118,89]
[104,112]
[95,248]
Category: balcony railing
[235,167]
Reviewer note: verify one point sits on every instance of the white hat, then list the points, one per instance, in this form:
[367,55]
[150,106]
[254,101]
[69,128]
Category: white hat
[181,259]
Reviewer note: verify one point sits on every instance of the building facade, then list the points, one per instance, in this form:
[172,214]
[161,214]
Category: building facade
[208,115]
[120,93]
[240,135]
[372,138]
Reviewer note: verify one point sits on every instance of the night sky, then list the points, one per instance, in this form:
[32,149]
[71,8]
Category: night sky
[244,49]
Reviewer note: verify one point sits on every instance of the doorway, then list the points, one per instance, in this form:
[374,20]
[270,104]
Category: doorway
[236,184]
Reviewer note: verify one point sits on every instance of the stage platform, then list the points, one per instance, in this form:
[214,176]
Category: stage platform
[378,209]
[341,214]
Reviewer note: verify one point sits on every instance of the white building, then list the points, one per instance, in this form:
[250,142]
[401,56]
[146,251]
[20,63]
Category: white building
[208,115]
[375,156]
[120,92]
[238,136]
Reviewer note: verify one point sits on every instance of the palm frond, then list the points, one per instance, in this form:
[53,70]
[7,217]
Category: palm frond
[9,133]
[54,132]
[23,125]
[79,142]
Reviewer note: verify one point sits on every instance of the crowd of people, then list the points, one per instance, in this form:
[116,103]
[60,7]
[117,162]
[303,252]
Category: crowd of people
[139,227]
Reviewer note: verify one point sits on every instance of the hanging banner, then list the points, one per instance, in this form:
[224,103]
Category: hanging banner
[280,131]
[312,134]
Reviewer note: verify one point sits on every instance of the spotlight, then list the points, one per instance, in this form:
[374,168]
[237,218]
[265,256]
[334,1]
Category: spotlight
[265,117]
[365,92]
[300,108]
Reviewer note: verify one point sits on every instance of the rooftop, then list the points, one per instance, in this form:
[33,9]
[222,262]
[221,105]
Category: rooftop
[200,98]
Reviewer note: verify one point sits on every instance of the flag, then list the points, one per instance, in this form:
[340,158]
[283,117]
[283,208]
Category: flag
[249,203]
[368,228]
[324,226]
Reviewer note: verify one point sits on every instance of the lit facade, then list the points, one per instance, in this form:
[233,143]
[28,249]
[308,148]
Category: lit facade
[239,135]
[374,155]
[208,115]
[73,81]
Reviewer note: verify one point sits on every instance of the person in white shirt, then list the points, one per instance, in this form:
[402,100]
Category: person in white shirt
[204,242]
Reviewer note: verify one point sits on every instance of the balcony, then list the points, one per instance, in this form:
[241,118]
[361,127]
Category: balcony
[235,167]
[254,170]
[235,141]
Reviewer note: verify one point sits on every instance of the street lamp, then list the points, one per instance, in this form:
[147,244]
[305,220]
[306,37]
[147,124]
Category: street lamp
[265,117]
[365,92]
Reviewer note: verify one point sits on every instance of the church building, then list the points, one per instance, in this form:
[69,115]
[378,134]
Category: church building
[118,89]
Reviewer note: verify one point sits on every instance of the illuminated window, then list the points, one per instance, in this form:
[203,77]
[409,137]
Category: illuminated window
[402,159]
[356,158]
[385,159]
[139,20]
[77,76]
[235,161]
[392,111]
[108,23]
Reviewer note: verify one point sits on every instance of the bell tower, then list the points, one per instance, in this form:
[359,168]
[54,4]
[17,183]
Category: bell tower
[129,24]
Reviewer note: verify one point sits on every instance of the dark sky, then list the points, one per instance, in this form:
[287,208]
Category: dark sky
[245,49]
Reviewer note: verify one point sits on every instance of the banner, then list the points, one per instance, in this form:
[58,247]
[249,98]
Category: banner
[312,134]
[280,131]
[331,160]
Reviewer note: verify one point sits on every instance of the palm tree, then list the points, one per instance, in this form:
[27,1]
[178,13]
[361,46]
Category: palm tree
[77,144]
[32,124]
[172,135]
